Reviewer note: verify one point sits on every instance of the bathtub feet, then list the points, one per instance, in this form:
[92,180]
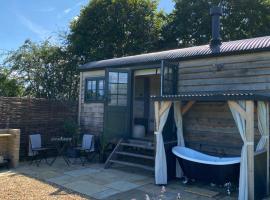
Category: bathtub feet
[185,181]
[228,186]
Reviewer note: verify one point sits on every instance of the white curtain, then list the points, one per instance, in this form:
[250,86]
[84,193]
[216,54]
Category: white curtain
[241,125]
[180,138]
[160,159]
[263,124]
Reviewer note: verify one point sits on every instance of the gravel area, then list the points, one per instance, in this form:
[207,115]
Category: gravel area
[15,186]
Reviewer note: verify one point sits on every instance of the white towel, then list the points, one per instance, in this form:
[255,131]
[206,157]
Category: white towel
[88,142]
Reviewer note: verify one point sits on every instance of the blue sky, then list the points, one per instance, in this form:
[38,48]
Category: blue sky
[39,19]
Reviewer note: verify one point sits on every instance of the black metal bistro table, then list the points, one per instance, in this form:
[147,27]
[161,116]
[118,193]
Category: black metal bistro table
[62,144]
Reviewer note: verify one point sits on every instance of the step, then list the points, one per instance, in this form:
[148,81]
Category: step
[135,155]
[137,145]
[133,165]
[142,141]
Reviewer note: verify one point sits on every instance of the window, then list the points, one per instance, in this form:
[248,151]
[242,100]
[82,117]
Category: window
[94,89]
[118,88]
[169,78]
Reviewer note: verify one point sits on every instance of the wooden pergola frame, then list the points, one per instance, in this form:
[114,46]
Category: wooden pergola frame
[248,115]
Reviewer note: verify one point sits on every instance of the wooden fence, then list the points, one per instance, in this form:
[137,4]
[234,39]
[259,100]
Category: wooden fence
[33,115]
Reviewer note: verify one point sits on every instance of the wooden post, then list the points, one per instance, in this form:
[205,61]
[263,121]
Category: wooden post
[267,150]
[250,147]
[80,99]
[156,115]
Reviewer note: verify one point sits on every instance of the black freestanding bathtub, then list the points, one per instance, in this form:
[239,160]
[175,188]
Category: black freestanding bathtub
[203,167]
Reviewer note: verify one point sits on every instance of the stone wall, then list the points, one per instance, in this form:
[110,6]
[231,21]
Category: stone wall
[10,145]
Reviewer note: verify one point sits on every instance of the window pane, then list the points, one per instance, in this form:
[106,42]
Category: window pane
[123,77]
[88,95]
[113,77]
[122,89]
[113,88]
[122,100]
[89,85]
[94,85]
[94,93]
[101,93]
[101,84]
[113,100]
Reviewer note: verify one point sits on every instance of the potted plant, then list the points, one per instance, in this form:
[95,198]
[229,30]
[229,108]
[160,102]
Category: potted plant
[71,130]
[103,148]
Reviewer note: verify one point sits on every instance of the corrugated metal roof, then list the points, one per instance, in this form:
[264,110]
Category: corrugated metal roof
[238,46]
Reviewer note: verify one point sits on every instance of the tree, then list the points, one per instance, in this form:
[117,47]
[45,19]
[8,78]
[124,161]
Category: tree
[114,28]
[46,70]
[9,87]
[190,23]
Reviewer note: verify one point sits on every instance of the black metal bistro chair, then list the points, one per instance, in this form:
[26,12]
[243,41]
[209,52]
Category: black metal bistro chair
[36,151]
[87,149]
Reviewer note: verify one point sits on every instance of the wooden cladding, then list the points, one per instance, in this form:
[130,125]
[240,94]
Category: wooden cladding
[35,116]
[92,118]
[209,127]
[246,72]
[91,115]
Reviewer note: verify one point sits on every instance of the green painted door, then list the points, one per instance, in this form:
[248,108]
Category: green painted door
[118,104]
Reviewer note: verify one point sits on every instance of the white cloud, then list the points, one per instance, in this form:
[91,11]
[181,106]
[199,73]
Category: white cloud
[35,28]
[66,11]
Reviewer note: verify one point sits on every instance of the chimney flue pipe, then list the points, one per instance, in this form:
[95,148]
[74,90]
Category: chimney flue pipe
[216,13]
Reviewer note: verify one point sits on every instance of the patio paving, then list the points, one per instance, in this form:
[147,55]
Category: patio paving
[118,183]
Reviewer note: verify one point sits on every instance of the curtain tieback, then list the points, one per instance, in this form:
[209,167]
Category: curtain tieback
[157,132]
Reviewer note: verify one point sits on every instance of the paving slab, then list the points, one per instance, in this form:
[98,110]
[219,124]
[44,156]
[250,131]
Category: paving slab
[100,180]
[60,180]
[144,181]
[105,194]
[122,185]
[133,177]
[112,184]
[128,195]
[81,172]
[106,174]
[85,187]
[154,189]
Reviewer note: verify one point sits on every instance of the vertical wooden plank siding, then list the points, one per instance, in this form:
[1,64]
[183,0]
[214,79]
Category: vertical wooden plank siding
[250,147]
